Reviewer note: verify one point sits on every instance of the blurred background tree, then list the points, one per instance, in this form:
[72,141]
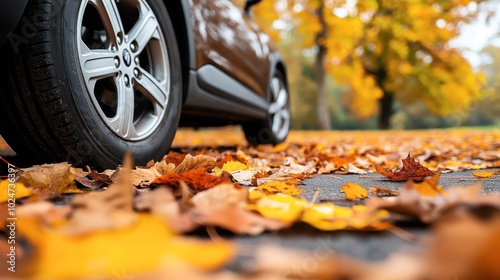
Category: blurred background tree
[387,60]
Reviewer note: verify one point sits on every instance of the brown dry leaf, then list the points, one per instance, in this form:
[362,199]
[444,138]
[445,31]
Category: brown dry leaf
[412,170]
[465,244]
[163,204]
[225,206]
[353,191]
[106,210]
[144,176]
[383,192]
[50,178]
[197,179]
[280,187]
[190,163]
[483,174]
[351,168]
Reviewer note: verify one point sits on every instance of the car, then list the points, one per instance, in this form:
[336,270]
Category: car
[85,81]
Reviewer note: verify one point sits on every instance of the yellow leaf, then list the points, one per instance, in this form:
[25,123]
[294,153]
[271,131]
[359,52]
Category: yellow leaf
[280,206]
[279,187]
[147,245]
[233,165]
[483,174]
[429,186]
[12,190]
[353,191]
[331,217]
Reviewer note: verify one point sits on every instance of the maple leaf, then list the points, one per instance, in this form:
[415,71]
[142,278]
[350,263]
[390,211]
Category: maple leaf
[412,170]
[353,191]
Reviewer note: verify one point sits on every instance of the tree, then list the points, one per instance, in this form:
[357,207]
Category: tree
[386,51]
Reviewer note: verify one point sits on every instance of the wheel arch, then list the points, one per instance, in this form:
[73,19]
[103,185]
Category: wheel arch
[278,64]
[180,16]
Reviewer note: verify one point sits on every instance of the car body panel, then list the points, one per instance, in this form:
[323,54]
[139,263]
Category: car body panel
[225,36]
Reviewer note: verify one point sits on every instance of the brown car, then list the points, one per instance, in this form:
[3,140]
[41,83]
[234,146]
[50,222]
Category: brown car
[86,80]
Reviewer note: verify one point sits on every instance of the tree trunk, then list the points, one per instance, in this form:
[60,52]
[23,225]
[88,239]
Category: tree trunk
[385,110]
[323,112]
[386,103]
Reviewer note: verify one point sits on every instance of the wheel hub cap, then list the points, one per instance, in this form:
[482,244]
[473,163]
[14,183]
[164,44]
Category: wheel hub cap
[127,58]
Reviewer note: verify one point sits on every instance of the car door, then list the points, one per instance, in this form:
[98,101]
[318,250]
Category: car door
[227,38]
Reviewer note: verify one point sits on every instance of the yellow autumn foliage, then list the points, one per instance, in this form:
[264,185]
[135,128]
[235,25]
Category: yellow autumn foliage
[146,246]
[384,48]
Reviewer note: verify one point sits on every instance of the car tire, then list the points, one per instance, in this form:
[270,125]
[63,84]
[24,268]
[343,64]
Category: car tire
[84,83]
[274,129]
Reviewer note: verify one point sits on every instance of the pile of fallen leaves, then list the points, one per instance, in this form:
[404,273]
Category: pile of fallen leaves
[133,221]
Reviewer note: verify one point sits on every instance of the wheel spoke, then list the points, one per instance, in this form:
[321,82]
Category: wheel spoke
[110,17]
[275,88]
[156,91]
[123,122]
[96,64]
[280,103]
[143,31]
[280,122]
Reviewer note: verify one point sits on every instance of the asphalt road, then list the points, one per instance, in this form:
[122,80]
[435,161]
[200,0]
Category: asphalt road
[371,246]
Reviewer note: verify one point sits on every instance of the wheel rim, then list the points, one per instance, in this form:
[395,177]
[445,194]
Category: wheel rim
[124,63]
[279,110]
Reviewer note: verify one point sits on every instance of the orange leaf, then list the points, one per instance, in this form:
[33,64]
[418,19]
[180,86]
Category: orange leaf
[483,174]
[197,179]
[429,186]
[412,170]
[353,191]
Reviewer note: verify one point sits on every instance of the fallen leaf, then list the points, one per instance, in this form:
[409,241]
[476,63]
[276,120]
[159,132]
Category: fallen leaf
[147,245]
[232,166]
[330,217]
[162,203]
[196,179]
[353,191]
[279,206]
[10,190]
[51,178]
[483,174]
[106,210]
[412,170]
[279,187]
[428,187]
[226,206]
[197,162]
[383,192]
[351,168]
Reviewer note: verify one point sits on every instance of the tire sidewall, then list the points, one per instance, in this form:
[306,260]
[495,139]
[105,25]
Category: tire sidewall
[106,145]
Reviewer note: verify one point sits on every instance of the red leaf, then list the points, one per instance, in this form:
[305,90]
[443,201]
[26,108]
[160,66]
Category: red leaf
[412,170]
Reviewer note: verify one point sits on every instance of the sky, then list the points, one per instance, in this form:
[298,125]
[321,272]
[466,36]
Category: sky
[477,35]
